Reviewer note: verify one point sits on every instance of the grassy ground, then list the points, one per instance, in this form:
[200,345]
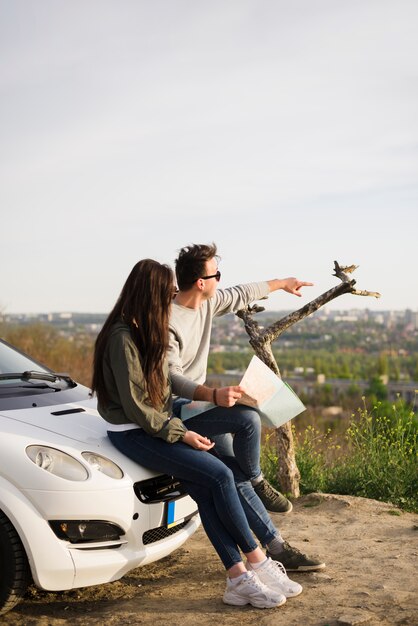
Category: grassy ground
[375,458]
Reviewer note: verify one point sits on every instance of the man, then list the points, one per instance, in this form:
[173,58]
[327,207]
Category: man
[196,303]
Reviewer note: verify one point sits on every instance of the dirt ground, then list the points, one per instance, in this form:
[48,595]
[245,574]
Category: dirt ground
[371,552]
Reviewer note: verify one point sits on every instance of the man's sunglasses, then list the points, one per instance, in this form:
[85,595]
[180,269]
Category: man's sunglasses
[217,276]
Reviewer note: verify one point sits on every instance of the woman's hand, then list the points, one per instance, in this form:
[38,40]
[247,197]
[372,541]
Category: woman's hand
[228,396]
[197,441]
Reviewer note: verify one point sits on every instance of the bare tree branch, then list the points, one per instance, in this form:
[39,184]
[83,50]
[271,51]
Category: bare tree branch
[275,330]
[362,292]
[259,337]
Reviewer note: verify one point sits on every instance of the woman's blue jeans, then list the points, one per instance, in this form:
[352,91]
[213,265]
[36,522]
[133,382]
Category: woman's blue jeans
[208,481]
[218,424]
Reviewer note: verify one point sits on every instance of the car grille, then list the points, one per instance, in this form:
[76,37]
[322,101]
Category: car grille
[156,534]
[158,489]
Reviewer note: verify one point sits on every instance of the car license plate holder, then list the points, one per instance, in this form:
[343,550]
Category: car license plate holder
[175,513]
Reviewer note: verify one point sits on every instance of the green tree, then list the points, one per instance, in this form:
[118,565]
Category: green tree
[382,365]
[377,390]
[216,364]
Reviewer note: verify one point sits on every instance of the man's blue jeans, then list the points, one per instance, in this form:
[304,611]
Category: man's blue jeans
[208,481]
[244,423]
[218,424]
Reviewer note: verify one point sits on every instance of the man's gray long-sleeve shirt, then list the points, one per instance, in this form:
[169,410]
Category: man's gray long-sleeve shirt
[190,331]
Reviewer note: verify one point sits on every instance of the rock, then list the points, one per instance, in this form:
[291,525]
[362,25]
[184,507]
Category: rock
[316,576]
[354,619]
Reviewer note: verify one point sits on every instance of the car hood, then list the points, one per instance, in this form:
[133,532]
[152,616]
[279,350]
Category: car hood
[79,421]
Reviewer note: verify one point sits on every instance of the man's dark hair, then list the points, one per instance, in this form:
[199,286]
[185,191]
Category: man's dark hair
[191,263]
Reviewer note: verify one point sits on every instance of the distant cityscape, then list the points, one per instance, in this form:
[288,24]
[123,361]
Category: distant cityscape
[92,322]
[353,330]
[333,351]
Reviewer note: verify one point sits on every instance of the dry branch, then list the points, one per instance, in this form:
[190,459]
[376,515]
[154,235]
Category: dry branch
[261,340]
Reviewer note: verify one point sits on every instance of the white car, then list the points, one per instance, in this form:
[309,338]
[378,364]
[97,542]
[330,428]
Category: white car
[74,511]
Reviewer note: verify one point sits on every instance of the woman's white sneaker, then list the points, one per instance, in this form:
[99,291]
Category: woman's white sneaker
[250,590]
[273,575]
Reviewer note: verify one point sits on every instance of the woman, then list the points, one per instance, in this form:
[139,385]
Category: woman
[130,379]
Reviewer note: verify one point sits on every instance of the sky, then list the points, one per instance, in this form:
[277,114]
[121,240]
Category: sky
[286,131]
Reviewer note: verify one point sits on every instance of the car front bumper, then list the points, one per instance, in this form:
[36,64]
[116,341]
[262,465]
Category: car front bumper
[57,564]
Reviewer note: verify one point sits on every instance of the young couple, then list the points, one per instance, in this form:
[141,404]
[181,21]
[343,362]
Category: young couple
[150,347]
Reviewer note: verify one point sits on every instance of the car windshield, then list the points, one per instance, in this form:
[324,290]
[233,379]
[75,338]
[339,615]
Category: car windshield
[25,383]
[11,361]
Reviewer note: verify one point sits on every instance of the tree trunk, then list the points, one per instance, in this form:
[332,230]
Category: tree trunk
[287,471]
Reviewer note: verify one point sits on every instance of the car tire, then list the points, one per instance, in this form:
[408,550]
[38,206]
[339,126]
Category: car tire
[15,577]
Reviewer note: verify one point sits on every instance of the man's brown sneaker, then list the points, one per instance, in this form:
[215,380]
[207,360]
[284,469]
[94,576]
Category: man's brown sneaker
[272,499]
[293,560]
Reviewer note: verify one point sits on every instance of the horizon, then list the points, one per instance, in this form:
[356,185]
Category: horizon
[323,309]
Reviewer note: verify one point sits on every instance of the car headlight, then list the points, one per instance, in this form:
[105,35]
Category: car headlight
[57,462]
[102,464]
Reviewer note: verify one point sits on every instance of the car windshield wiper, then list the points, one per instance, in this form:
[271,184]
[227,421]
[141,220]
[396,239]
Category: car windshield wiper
[51,377]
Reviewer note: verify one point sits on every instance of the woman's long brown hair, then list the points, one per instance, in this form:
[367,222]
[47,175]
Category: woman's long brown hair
[144,305]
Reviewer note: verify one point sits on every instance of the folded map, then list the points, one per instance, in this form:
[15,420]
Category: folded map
[275,400]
